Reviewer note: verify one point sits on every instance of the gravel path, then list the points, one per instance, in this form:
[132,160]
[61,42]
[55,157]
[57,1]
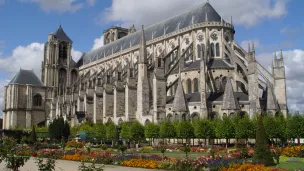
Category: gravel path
[63,165]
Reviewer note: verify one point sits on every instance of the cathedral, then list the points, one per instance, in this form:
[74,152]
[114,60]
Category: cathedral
[186,67]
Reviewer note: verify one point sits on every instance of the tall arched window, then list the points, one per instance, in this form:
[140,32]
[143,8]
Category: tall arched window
[212,49]
[199,51]
[195,87]
[203,50]
[218,84]
[189,86]
[37,100]
[217,49]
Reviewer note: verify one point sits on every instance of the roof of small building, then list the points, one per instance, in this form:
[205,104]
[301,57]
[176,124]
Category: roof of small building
[199,14]
[61,35]
[26,77]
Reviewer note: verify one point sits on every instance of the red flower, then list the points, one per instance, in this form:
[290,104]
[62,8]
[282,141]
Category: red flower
[35,154]
[268,145]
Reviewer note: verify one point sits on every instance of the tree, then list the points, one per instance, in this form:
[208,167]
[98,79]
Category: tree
[167,130]
[66,130]
[185,130]
[244,128]
[262,153]
[125,130]
[295,127]
[137,132]
[33,135]
[225,129]
[99,130]
[56,129]
[86,127]
[204,129]
[111,131]
[152,131]
[274,127]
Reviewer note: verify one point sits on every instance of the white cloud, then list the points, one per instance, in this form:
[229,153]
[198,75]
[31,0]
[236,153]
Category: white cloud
[25,57]
[294,68]
[244,12]
[60,5]
[76,55]
[98,42]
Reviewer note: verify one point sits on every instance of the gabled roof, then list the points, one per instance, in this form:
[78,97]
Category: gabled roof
[229,101]
[26,77]
[60,35]
[180,101]
[199,14]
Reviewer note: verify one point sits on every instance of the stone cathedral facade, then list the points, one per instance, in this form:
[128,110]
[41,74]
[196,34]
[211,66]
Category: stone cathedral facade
[183,68]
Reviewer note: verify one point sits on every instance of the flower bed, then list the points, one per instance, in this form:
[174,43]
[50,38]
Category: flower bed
[293,151]
[151,164]
[248,167]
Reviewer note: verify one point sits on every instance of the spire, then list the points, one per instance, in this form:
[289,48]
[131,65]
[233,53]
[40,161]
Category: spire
[248,47]
[142,48]
[229,100]
[275,56]
[253,46]
[180,101]
[231,21]
[281,55]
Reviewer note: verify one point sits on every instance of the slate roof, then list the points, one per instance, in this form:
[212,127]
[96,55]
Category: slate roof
[180,100]
[26,77]
[199,14]
[229,101]
[60,35]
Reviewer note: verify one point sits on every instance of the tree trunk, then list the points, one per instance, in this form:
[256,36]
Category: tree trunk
[299,141]
[226,142]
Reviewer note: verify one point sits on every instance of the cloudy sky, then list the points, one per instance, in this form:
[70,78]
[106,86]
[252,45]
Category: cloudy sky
[272,24]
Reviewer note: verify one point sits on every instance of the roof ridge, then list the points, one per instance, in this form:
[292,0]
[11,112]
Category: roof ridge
[190,9]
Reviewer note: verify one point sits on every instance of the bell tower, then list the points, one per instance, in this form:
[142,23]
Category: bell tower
[58,67]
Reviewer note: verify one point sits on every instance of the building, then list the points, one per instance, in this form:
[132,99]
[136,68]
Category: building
[182,68]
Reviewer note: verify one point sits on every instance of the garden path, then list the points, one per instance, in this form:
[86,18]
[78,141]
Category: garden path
[63,165]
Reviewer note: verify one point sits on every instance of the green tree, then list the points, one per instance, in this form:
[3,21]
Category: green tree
[56,129]
[125,130]
[185,130]
[137,132]
[274,127]
[151,131]
[262,153]
[33,135]
[66,130]
[99,130]
[111,131]
[244,128]
[86,127]
[225,129]
[167,130]
[204,129]
[295,127]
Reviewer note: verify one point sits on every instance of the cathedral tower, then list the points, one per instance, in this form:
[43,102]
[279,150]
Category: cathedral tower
[58,67]
[280,83]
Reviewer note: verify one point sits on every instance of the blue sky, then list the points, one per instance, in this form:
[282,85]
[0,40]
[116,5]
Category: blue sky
[25,24]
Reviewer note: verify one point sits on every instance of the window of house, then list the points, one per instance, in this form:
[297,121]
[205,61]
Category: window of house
[195,82]
[189,86]
[217,49]
[37,100]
